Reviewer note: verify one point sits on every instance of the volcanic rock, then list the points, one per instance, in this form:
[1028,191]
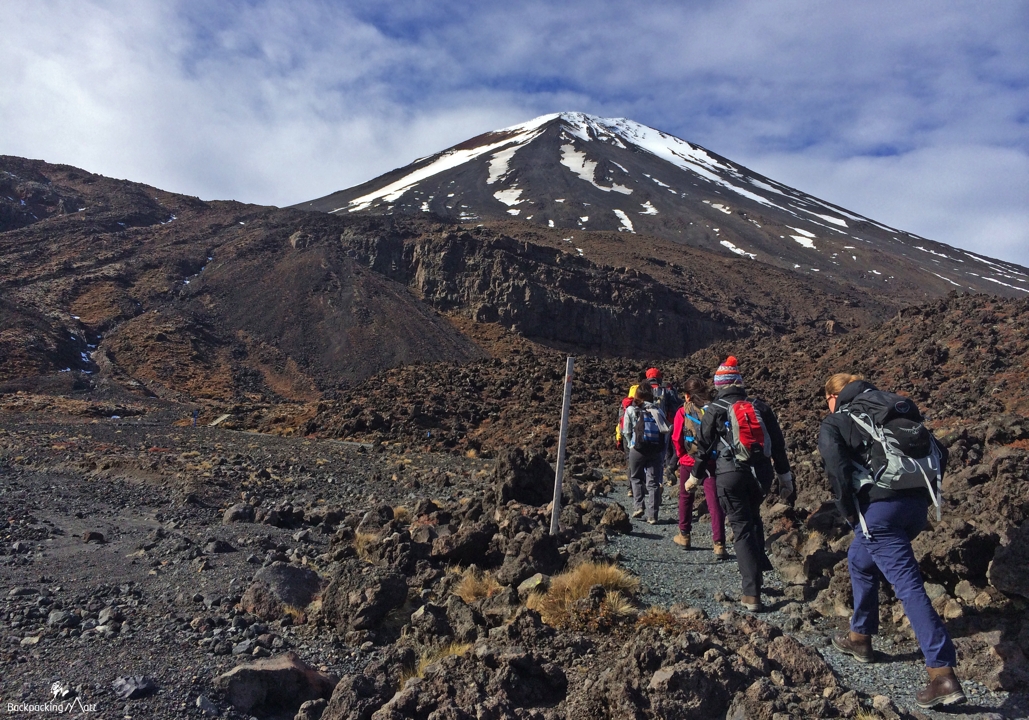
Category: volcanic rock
[282,682]
[279,586]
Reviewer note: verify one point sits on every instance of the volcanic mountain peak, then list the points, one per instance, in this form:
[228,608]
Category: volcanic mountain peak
[573,171]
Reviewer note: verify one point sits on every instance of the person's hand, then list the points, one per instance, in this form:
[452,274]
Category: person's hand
[691,484]
[787,491]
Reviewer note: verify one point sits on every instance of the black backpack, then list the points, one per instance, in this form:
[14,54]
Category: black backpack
[899,452]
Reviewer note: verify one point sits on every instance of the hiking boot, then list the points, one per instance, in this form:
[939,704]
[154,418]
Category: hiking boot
[637,513]
[683,540]
[944,688]
[856,645]
[652,521]
[719,550]
[752,603]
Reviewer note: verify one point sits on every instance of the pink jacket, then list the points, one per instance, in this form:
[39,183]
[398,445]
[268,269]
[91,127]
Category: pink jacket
[677,442]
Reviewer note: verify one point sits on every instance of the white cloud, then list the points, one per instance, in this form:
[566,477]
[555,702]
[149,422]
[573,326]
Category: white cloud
[908,111]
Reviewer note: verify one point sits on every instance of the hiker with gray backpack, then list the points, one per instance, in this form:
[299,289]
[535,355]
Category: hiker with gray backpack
[886,469]
[645,431]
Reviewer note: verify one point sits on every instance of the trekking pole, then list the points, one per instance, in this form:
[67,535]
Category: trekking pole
[561,446]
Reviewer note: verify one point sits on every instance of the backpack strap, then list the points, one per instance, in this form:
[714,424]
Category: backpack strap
[662,424]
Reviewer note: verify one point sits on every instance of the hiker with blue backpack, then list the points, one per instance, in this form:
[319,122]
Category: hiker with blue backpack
[886,469]
[668,400]
[685,429]
[645,432]
[744,436]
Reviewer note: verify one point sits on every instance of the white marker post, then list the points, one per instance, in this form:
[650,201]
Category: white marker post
[561,446]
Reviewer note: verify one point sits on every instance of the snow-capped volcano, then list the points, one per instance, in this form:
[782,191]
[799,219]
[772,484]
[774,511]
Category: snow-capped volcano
[580,173]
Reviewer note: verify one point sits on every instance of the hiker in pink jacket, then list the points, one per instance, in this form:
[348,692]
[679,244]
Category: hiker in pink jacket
[685,427]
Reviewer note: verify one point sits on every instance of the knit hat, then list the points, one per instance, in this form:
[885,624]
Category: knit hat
[728,374]
[653,374]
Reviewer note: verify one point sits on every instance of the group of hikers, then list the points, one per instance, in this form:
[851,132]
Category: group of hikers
[884,466]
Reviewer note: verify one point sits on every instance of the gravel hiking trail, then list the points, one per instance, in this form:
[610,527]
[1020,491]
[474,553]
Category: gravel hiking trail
[673,575]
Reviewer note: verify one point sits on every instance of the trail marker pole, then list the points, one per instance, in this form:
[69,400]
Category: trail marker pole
[556,513]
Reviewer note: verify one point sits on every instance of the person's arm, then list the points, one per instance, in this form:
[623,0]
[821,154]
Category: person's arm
[835,454]
[628,422]
[779,457]
[677,443]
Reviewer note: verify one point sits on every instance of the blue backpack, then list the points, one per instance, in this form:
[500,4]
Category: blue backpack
[648,433]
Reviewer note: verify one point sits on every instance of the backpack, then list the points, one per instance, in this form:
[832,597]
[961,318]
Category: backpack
[666,398]
[745,434]
[900,452]
[648,432]
[691,427]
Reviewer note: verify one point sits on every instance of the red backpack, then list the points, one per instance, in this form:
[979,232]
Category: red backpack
[745,434]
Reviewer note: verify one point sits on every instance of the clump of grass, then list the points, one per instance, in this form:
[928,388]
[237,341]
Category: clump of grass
[401,514]
[867,715]
[429,656]
[556,605]
[363,544]
[471,453]
[476,584]
[298,614]
[656,617]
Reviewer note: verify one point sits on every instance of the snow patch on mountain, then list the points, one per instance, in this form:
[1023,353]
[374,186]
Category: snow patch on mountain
[586,169]
[626,222]
[515,135]
[509,196]
[737,250]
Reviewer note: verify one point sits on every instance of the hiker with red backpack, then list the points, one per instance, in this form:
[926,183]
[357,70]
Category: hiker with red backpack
[749,450]
[685,429]
[886,468]
[645,432]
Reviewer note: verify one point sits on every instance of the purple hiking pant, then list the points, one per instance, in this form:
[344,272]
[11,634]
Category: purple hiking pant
[686,507]
[893,524]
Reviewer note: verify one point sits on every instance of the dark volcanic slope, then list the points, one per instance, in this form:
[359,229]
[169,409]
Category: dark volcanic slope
[188,300]
[577,173]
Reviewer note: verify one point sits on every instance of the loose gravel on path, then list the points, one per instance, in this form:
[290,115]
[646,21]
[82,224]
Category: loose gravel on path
[672,575]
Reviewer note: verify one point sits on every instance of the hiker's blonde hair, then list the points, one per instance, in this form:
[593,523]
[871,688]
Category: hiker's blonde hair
[837,382]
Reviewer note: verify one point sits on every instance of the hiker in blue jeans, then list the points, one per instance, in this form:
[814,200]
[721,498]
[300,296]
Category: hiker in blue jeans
[890,520]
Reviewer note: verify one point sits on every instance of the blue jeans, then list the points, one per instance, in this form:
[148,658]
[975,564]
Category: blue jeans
[893,524]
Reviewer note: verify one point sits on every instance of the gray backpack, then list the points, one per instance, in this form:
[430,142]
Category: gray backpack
[900,452]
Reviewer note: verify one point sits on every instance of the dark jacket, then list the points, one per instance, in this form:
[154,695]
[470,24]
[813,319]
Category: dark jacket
[712,430]
[840,442]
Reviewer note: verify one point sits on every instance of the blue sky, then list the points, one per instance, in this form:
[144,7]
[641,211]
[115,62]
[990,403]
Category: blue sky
[913,113]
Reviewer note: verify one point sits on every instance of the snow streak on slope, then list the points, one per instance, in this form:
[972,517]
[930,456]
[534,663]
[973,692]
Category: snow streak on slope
[518,135]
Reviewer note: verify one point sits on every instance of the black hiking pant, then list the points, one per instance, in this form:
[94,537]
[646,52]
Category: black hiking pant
[740,496]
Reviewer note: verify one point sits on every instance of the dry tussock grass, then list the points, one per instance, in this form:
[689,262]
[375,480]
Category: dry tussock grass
[555,606]
[401,514]
[429,656]
[475,585]
[363,543]
[298,614]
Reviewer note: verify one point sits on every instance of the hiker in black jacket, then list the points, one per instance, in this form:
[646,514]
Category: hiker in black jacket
[742,485]
[885,522]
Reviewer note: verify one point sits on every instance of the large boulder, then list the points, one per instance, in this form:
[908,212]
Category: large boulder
[1009,571]
[524,477]
[360,596]
[469,545]
[280,586]
[358,696]
[273,685]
